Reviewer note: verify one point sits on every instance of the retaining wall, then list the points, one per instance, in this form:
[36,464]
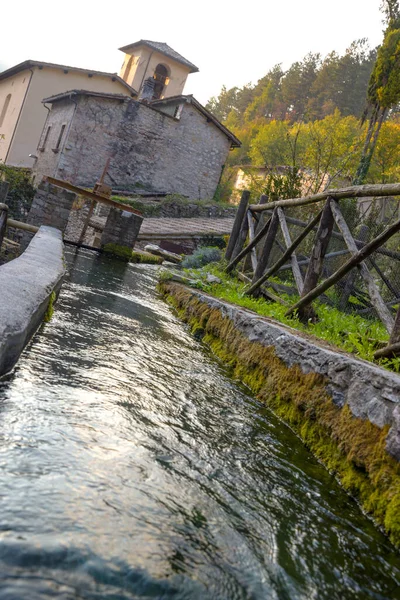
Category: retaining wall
[27,285]
[346,410]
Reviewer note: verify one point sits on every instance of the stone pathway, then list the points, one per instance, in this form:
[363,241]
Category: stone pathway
[153,228]
[181,227]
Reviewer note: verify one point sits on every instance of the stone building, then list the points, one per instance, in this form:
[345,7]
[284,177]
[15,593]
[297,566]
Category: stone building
[171,145]
[23,87]
[22,113]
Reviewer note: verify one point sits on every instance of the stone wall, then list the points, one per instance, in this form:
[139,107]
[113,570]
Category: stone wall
[346,410]
[149,150]
[27,284]
[47,152]
[51,206]
[121,229]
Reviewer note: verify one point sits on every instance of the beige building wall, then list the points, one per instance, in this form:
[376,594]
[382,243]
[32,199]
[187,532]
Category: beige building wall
[16,86]
[143,65]
[45,82]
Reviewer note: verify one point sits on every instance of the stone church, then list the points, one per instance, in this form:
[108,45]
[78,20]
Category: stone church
[157,139]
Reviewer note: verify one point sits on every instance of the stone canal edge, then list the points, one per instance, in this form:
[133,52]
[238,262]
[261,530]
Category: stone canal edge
[346,410]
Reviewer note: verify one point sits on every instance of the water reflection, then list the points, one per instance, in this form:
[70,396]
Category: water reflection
[134,467]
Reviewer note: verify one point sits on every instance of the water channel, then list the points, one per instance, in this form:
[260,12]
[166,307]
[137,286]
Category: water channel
[133,466]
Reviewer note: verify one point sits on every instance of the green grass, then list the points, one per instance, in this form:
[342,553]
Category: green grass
[349,332]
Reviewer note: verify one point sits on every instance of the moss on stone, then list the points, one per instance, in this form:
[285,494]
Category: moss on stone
[351,448]
[123,252]
[126,253]
[146,258]
[50,307]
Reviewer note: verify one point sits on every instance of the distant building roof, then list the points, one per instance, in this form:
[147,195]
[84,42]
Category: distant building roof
[236,143]
[163,48]
[27,64]
[70,93]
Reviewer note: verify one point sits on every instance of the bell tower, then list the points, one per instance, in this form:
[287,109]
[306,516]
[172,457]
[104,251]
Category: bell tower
[146,59]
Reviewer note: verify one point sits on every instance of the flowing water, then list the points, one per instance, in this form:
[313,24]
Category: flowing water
[132,466]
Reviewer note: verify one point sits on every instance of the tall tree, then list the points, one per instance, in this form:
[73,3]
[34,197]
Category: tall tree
[384,86]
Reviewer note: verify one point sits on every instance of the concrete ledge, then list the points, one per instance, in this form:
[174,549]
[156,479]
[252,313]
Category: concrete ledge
[26,286]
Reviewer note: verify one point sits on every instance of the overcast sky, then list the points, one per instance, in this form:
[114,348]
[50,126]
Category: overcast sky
[231,42]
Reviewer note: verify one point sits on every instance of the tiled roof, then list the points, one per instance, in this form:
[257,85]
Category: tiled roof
[163,48]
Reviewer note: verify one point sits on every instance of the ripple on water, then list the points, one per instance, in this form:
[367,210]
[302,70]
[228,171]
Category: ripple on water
[132,466]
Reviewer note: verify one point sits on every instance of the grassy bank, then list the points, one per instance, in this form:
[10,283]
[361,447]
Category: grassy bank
[350,332]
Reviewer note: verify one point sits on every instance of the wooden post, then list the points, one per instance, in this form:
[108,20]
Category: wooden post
[286,254]
[253,254]
[322,239]
[237,225]
[293,258]
[261,221]
[86,223]
[353,261]
[241,239]
[249,247]
[351,277]
[373,290]
[320,248]
[266,251]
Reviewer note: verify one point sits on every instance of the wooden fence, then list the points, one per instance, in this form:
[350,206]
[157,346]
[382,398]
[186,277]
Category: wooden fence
[261,236]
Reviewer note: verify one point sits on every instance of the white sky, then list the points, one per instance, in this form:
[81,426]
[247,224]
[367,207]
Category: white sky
[231,42]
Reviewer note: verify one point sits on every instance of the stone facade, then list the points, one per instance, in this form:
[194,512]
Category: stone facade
[149,149]
[51,206]
[121,228]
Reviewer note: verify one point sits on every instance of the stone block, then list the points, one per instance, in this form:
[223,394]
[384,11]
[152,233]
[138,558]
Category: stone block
[120,232]
[51,206]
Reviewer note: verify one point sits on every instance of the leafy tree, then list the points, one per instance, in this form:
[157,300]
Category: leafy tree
[271,146]
[385,165]
[384,86]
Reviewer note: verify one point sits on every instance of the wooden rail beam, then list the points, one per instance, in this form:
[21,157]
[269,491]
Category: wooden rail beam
[372,288]
[286,254]
[249,247]
[293,258]
[353,261]
[253,254]
[266,250]
[355,191]
[237,225]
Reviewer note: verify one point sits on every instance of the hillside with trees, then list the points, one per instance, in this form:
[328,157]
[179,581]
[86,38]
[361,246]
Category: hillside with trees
[319,115]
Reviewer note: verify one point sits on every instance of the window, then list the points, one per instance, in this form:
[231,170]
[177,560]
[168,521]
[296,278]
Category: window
[178,111]
[46,137]
[57,148]
[161,76]
[4,109]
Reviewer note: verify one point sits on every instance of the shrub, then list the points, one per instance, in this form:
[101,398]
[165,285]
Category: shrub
[202,256]
[20,191]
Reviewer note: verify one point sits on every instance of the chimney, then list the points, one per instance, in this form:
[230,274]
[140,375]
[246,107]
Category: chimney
[147,91]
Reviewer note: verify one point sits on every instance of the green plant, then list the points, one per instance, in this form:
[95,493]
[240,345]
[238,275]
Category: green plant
[20,191]
[202,256]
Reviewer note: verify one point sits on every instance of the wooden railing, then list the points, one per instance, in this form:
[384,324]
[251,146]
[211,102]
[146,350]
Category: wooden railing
[262,236]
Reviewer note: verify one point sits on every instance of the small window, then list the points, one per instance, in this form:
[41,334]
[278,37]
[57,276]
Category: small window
[4,109]
[57,148]
[46,137]
[178,111]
